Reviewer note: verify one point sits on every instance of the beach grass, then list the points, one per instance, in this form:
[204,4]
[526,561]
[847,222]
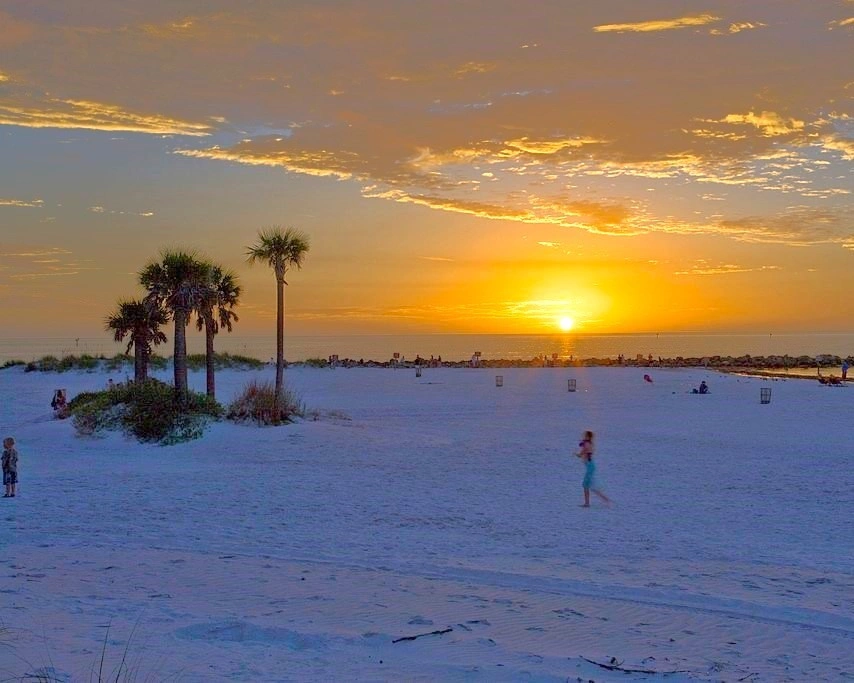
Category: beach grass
[258,403]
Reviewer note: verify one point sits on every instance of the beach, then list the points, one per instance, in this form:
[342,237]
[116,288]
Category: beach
[428,528]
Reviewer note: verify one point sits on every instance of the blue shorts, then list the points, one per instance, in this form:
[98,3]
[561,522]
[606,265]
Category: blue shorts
[589,481]
[9,478]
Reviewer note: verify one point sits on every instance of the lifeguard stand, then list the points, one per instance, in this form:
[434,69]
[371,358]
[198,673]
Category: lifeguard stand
[765,395]
[570,385]
[499,380]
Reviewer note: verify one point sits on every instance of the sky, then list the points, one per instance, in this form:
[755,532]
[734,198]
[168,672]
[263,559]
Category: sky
[458,166]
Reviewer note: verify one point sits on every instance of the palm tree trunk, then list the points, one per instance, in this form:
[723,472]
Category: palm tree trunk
[138,362]
[179,358]
[143,365]
[280,336]
[209,356]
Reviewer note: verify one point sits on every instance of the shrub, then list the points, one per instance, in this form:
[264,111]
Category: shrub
[257,403]
[197,361]
[149,410]
[12,363]
[48,364]
[118,362]
[316,362]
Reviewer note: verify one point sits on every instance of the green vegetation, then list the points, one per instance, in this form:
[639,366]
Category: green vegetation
[197,361]
[54,364]
[258,403]
[151,411]
[11,364]
[316,363]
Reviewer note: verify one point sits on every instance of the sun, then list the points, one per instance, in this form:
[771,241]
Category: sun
[565,323]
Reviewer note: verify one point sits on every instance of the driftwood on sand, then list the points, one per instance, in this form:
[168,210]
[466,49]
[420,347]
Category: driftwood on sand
[419,635]
[614,665]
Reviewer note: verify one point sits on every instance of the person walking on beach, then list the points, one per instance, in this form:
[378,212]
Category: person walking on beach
[10,466]
[585,452]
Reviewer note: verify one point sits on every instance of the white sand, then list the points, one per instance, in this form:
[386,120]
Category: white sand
[415,505]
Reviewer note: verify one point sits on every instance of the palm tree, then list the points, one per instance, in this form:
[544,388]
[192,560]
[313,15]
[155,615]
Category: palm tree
[140,322]
[280,249]
[217,311]
[178,283]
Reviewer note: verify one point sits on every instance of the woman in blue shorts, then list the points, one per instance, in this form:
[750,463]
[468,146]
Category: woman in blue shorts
[585,452]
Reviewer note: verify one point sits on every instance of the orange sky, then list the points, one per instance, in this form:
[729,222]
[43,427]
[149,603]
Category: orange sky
[476,166]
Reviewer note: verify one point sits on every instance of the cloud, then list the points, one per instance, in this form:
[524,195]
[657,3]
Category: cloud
[29,203]
[536,119]
[842,23]
[770,123]
[19,264]
[88,115]
[703,268]
[738,27]
[658,24]
[837,143]
[114,212]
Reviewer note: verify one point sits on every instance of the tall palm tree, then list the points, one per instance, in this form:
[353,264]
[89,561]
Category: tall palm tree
[179,283]
[217,311]
[280,249]
[140,322]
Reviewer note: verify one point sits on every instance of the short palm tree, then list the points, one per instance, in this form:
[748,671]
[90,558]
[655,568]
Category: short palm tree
[281,250]
[178,283]
[217,311]
[140,322]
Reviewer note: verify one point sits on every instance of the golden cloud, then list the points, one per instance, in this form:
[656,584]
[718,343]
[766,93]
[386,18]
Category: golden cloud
[474,68]
[321,164]
[769,123]
[87,115]
[658,25]
[725,269]
[738,28]
[32,203]
[845,146]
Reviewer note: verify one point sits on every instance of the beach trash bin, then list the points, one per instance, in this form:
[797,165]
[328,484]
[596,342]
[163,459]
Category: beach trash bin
[570,385]
[418,372]
[765,395]
[499,380]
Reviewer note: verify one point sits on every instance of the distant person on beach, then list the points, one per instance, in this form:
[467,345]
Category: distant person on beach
[10,467]
[647,378]
[59,404]
[585,452]
[845,367]
[704,388]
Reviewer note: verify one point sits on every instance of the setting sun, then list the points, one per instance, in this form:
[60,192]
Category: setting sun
[566,323]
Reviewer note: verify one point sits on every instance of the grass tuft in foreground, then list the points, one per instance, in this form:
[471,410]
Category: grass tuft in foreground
[257,403]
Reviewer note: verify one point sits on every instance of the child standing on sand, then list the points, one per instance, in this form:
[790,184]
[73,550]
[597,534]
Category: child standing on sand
[585,452]
[10,466]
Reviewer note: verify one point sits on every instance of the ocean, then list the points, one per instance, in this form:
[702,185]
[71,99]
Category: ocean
[454,347]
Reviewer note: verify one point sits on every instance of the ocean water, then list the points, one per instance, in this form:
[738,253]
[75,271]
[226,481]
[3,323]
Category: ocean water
[453,347]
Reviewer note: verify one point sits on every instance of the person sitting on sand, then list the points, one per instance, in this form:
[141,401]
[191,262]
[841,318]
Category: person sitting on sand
[704,388]
[59,404]
[585,452]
